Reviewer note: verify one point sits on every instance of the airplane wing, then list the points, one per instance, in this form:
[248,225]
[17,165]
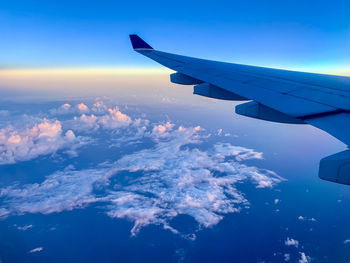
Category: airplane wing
[274,95]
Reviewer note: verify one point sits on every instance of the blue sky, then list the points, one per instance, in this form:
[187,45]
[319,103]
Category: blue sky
[290,34]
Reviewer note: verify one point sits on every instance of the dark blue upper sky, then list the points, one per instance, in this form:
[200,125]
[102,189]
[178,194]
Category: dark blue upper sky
[291,34]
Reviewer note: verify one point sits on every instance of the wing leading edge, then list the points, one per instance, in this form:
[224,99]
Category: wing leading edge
[277,95]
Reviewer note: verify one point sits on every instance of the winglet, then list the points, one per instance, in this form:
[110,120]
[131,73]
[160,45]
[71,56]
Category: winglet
[139,43]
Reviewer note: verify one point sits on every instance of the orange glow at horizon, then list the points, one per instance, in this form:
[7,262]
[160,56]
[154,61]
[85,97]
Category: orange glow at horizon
[91,80]
[66,78]
[84,81]
[84,71]
[322,69]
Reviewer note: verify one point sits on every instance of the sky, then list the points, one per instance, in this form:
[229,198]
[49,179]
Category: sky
[303,35]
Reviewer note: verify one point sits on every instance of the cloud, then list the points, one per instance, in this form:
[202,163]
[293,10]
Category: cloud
[113,120]
[82,107]
[35,137]
[42,138]
[38,249]
[64,190]
[4,212]
[67,108]
[304,258]
[99,107]
[303,218]
[85,123]
[24,228]
[240,153]
[286,257]
[346,241]
[173,176]
[291,242]
[63,109]
[163,129]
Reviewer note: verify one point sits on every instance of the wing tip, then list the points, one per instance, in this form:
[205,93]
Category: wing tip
[138,43]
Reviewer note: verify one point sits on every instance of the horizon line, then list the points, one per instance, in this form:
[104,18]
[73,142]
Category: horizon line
[146,70]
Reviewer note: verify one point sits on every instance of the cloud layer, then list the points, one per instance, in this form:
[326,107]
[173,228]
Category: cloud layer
[32,137]
[175,175]
[41,138]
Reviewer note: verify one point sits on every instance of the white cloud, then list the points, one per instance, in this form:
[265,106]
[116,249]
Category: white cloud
[86,123]
[42,138]
[24,228]
[159,130]
[276,201]
[304,258]
[113,120]
[303,218]
[38,249]
[99,107]
[286,257]
[240,153]
[60,191]
[26,137]
[346,241]
[174,176]
[63,109]
[67,108]
[291,242]
[82,107]
[4,212]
